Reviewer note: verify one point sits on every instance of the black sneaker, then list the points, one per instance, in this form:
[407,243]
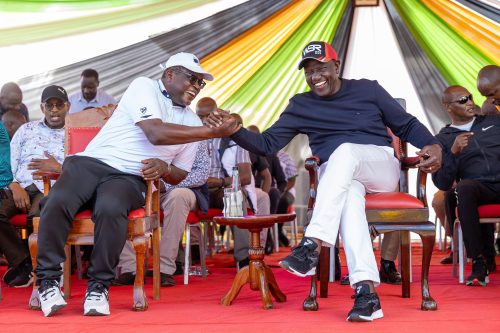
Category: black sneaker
[179,268]
[388,272]
[166,280]
[303,259]
[479,275]
[19,276]
[242,263]
[125,279]
[447,260]
[345,280]
[366,305]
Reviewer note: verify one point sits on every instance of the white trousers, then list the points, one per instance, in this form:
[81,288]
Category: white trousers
[352,171]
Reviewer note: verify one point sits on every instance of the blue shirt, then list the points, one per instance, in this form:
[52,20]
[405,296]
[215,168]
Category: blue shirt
[358,113]
[5,171]
[79,103]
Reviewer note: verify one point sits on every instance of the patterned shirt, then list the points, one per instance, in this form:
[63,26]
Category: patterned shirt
[216,168]
[199,171]
[287,164]
[5,172]
[32,140]
[79,103]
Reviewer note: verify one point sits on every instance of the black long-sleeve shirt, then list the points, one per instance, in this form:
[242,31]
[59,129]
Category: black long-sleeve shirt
[358,113]
[480,160]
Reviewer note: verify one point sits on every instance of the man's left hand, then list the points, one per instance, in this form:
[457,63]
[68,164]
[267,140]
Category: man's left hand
[49,164]
[430,158]
[154,168]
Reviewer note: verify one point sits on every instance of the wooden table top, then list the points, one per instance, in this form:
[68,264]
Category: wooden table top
[255,221]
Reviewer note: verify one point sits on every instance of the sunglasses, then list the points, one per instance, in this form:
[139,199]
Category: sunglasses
[192,79]
[463,99]
[50,106]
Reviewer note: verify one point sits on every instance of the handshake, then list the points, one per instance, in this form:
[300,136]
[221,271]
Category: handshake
[223,123]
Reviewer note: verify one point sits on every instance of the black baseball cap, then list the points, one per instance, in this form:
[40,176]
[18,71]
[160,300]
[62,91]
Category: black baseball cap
[54,92]
[320,51]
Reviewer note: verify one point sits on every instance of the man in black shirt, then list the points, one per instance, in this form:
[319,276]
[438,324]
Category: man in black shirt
[346,122]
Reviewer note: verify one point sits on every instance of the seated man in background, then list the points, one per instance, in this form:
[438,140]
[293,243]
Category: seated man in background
[488,84]
[287,199]
[12,120]
[89,96]
[11,99]
[158,125]
[36,146]
[176,201]
[5,173]
[471,146]
[219,178]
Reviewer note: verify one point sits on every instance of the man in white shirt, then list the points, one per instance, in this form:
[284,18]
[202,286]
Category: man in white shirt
[152,121]
[89,96]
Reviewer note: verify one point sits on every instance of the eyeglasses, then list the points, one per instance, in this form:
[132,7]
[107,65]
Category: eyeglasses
[59,105]
[463,99]
[192,79]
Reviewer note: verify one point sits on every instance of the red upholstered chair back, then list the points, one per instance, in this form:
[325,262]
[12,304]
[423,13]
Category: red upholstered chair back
[81,127]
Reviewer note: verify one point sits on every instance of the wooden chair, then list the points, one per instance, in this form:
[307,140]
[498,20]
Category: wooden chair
[487,214]
[386,212]
[80,128]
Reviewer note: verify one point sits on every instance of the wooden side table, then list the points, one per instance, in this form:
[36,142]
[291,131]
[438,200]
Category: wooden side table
[258,274]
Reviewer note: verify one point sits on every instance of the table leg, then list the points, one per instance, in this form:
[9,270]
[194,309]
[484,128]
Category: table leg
[242,277]
[273,286]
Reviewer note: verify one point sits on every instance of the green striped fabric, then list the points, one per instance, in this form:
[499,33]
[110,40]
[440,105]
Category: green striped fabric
[456,59]
[265,95]
[82,24]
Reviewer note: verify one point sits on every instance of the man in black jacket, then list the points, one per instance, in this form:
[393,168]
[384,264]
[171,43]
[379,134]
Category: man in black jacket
[471,150]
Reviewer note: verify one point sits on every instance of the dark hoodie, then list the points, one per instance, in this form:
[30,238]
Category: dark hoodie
[480,160]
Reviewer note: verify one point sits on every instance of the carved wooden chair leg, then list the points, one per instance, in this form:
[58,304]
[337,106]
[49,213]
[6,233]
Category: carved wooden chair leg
[311,303]
[67,272]
[273,286]
[156,264]
[34,302]
[428,240]
[242,277]
[140,300]
[324,271]
[405,263]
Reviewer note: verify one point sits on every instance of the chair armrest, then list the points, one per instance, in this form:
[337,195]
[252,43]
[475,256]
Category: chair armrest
[422,187]
[152,203]
[409,162]
[311,165]
[45,174]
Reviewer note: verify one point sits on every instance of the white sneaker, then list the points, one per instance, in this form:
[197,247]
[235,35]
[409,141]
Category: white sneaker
[51,297]
[96,301]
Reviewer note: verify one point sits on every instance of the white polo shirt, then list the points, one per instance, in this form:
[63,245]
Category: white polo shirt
[122,144]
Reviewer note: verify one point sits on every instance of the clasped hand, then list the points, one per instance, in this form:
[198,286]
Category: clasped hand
[223,123]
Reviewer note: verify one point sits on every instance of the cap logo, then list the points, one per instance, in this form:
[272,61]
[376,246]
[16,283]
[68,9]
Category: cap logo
[312,48]
[61,90]
[196,61]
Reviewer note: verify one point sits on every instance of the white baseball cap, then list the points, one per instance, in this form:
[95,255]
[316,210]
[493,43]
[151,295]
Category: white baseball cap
[189,61]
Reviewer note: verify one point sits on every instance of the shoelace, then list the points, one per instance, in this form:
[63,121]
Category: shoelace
[48,289]
[96,293]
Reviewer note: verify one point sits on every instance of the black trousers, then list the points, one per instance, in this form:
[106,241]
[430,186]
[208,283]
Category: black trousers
[286,200]
[478,238]
[111,194]
[11,244]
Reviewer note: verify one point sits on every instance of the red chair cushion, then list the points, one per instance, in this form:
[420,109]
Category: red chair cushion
[19,220]
[135,214]
[210,214]
[489,210]
[192,218]
[392,200]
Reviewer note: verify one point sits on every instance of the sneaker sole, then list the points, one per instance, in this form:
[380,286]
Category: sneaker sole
[94,312]
[477,283]
[285,266]
[55,308]
[358,318]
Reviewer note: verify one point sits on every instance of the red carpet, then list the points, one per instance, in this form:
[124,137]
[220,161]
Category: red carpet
[195,308]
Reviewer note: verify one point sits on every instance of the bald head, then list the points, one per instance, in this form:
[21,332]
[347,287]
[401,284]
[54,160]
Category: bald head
[488,83]
[12,120]
[254,129]
[11,97]
[204,107]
